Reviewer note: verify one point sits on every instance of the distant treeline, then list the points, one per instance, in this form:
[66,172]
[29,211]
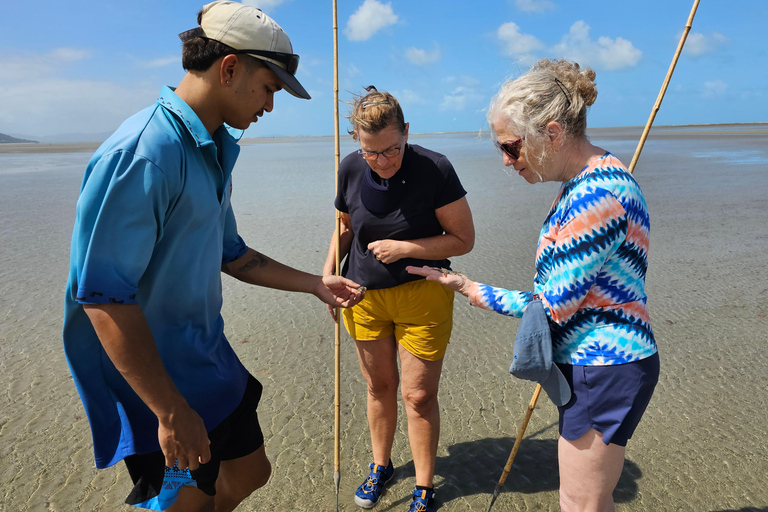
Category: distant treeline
[8,138]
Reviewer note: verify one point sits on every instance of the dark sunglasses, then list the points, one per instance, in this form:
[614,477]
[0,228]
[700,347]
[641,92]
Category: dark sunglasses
[512,149]
[291,60]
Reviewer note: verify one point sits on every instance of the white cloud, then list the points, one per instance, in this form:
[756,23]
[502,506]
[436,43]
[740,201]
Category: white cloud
[462,80]
[264,5]
[714,89]
[59,106]
[160,63]
[408,97]
[352,71]
[617,54]
[349,78]
[67,55]
[317,93]
[607,53]
[34,66]
[419,57]
[534,5]
[460,98]
[369,18]
[514,43]
[36,101]
[698,44]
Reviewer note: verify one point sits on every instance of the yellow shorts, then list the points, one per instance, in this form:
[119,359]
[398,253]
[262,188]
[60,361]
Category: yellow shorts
[419,314]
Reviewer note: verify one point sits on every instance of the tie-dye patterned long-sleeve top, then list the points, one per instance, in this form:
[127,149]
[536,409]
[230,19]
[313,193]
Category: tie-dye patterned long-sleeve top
[590,270]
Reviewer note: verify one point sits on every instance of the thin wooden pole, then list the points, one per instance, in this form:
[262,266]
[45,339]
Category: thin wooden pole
[657,105]
[337,326]
[518,440]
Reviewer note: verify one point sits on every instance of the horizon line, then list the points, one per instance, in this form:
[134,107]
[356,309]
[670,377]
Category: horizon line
[274,138]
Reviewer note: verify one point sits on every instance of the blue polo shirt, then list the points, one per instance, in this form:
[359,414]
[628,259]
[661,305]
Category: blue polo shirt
[154,225]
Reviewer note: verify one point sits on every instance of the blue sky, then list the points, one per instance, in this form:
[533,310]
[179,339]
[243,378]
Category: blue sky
[83,66]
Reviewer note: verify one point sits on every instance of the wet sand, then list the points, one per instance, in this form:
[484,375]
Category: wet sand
[700,447]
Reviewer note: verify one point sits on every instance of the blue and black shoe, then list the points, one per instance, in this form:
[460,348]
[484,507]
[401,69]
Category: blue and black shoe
[423,501]
[368,494]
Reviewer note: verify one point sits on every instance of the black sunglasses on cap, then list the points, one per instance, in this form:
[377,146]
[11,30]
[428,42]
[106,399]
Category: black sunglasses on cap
[512,149]
[290,60]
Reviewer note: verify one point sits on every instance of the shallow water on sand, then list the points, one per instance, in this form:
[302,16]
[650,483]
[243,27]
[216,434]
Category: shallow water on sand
[700,446]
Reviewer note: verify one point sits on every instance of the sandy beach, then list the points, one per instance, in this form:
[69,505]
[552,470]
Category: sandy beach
[701,446]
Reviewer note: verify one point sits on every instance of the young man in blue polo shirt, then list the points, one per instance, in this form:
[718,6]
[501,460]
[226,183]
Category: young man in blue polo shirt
[143,332]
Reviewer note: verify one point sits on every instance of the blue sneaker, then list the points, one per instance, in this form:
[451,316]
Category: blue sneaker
[369,493]
[423,501]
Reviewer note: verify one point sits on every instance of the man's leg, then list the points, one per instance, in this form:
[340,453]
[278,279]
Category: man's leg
[420,381]
[192,499]
[238,478]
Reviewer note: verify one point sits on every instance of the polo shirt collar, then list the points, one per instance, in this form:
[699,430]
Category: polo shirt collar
[188,118]
[170,101]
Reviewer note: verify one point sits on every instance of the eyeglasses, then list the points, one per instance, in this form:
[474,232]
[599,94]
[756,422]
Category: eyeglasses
[290,60]
[512,149]
[374,155]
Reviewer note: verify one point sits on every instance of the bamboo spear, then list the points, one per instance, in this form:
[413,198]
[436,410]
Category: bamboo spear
[631,169]
[337,326]
[520,433]
[657,105]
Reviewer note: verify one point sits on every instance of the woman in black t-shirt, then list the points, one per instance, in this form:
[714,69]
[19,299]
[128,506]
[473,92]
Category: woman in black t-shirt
[400,205]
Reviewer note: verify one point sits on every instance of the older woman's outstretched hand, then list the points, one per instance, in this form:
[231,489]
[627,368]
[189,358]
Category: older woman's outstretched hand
[453,280]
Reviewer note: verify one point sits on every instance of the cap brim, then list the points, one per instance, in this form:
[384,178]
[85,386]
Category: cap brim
[557,387]
[289,81]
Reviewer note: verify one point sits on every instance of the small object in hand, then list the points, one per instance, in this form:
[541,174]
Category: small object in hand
[362,289]
[447,271]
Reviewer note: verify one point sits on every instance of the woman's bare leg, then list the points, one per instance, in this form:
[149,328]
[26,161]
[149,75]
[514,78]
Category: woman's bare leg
[378,363]
[420,381]
[589,472]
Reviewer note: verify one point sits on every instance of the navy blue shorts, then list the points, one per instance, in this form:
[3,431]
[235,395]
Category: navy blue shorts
[609,399]
[156,486]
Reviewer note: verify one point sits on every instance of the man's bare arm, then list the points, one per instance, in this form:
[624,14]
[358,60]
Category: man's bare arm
[255,268]
[125,335]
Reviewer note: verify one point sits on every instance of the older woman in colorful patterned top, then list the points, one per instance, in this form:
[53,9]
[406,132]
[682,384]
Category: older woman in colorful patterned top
[590,274]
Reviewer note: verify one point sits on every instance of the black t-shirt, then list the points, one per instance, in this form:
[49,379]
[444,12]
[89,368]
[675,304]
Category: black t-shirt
[401,208]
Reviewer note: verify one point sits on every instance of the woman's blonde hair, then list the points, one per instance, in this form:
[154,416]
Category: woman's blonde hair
[374,112]
[552,90]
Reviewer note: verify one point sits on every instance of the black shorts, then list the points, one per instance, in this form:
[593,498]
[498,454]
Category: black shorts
[157,486]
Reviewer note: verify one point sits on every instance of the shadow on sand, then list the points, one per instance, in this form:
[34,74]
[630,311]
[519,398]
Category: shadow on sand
[475,468]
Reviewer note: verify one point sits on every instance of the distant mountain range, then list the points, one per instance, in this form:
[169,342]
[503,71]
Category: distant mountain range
[63,138]
[8,138]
